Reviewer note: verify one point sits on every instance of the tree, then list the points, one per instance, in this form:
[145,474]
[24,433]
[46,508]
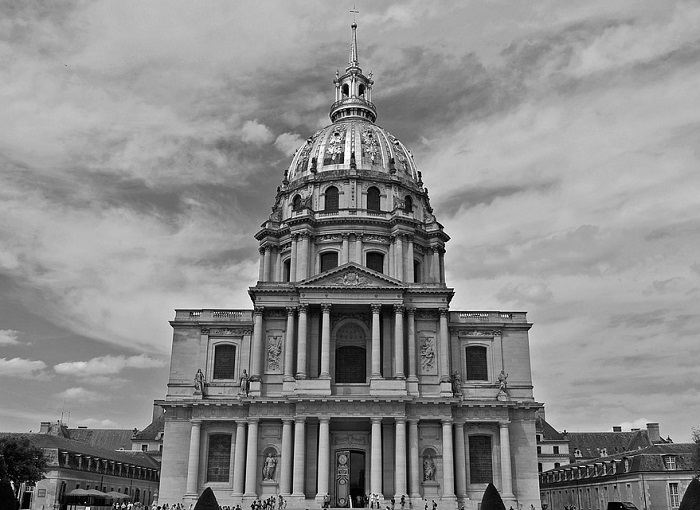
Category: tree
[20,460]
[696,451]
[207,501]
[491,499]
[691,498]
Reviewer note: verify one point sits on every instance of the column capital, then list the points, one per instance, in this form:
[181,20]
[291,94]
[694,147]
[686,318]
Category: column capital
[303,307]
[447,421]
[294,237]
[324,419]
[503,423]
[400,419]
[410,310]
[326,307]
[376,419]
[261,250]
[359,236]
[443,311]
[376,307]
[412,420]
[242,422]
[345,235]
[291,310]
[253,420]
[258,310]
[288,420]
[196,422]
[299,419]
[399,308]
[409,237]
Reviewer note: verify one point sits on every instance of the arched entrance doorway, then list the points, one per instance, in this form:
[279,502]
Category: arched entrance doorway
[350,354]
[350,479]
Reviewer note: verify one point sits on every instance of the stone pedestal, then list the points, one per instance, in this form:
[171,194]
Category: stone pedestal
[288,387]
[431,490]
[446,389]
[255,388]
[412,386]
[269,488]
[394,387]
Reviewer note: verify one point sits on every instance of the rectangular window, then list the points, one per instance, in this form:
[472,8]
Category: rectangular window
[329,261]
[480,462]
[477,368]
[219,458]
[224,361]
[539,450]
[673,493]
[670,462]
[144,447]
[556,449]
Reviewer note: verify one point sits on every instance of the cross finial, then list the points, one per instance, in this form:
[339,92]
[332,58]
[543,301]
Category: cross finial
[354,11]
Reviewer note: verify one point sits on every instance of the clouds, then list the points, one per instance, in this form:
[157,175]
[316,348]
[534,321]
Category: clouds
[106,365]
[8,337]
[23,369]
[142,145]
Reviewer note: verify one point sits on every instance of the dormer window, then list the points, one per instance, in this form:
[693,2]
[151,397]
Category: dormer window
[626,465]
[670,462]
[577,453]
[603,452]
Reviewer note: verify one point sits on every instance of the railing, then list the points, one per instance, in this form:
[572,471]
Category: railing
[214,315]
[488,316]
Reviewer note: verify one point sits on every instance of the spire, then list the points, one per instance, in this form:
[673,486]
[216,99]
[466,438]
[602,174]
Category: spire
[353,62]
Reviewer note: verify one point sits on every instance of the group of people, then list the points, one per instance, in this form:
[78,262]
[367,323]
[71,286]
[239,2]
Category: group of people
[372,501]
[271,503]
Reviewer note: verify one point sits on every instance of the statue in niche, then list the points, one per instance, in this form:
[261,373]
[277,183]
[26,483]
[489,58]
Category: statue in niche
[245,382]
[270,467]
[456,380]
[502,382]
[428,469]
[198,382]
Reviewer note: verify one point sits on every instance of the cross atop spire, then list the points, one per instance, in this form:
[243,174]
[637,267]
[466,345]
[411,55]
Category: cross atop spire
[353,62]
[354,11]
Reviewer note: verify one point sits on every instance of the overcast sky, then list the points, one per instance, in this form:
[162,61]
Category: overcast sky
[141,144]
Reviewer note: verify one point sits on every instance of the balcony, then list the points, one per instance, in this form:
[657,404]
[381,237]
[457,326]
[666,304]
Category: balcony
[224,316]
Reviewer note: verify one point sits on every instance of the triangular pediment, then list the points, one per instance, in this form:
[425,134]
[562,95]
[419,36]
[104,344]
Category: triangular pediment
[350,275]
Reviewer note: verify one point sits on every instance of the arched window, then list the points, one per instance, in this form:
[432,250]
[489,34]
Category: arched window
[286,270]
[373,202]
[361,90]
[329,260]
[477,367]
[331,199]
[416,272]
[346,90]
[408,205]
[224,361]
[375,261]
[296,203]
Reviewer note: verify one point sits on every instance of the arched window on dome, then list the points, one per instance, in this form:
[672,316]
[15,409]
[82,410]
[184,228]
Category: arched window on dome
[408,205]
[346,90]
[296,203]
[332,200]
[416,271]
[373,200]
[329,260]
[361,90]
[375,261]
[287,270]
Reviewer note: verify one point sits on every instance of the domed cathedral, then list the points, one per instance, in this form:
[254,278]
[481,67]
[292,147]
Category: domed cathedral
[350,382]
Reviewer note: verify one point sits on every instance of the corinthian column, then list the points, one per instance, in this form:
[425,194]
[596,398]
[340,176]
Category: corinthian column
[267,261]
[303,272]
[301,342]
[239,459]
[325,341]
[413,458]
[411,316]
[299,456]
[286,464]
[410,276]
[376,346]
[324,456]
[358,249]
[398,251]
[444,346]
[257,343]
[448,482]
[251,469]
[398,342]
[345,252]
[506,473]
[293,260]
[460,461]
[376,457]
[289,345]
[400,457]
[193,460]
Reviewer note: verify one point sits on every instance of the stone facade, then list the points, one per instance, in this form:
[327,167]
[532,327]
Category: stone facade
[350,375]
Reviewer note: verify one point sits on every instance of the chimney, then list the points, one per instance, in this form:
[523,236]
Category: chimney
[45,427]
[617,428]
[654,434]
